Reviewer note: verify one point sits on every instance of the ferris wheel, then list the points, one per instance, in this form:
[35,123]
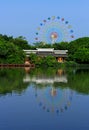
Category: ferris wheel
[54,30]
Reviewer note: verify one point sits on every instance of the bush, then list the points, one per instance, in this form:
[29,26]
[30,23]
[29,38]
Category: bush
[10,53]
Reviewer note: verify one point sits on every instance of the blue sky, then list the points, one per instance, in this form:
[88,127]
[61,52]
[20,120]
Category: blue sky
[22,17]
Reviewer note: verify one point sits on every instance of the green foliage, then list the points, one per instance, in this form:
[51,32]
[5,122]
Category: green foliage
[11,50]
[56,46]
[79,50]
[60,46]
[49,61]
[39,44]
[21,43]
[9,53]
[77,79]
[82,55]
[35,59]
[71,64]
[6,38]
[12,80]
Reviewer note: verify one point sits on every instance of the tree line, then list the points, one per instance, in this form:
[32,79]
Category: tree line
[11,49]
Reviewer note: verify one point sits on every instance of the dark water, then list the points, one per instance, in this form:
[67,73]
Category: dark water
[44,99]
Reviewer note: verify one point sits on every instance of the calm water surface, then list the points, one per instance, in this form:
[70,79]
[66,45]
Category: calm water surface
[44,99]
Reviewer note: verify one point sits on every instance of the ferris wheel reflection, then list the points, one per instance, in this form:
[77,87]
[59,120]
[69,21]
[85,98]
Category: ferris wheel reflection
[54,100]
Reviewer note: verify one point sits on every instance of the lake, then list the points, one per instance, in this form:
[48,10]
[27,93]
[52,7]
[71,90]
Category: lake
[44,99]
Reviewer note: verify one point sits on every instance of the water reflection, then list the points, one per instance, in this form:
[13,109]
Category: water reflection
[45,79]
[18,80]
[54,89]
[49,97]
[73,78]
[11,81]
[53,99]
[44,91]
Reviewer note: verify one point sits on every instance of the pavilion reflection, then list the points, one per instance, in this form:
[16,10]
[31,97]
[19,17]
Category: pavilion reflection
[27,69]
[60,76]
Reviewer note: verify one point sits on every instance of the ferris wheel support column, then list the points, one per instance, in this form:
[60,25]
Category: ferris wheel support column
[53,41]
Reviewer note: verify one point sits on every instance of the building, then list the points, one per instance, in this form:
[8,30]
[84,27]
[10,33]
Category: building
[60,55]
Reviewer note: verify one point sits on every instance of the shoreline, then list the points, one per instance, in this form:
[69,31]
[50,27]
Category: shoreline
[16,65]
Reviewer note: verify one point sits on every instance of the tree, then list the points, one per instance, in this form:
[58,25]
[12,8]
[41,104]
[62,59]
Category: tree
[78,50]
[82,55]
[6,38]
[21,42]
[9,53]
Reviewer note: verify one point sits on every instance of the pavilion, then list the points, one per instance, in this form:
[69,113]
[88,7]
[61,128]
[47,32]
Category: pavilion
[60,55]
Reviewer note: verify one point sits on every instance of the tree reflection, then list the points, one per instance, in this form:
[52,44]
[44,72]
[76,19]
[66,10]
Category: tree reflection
[72,78]
[17,80]
[79,80]
[11,80]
